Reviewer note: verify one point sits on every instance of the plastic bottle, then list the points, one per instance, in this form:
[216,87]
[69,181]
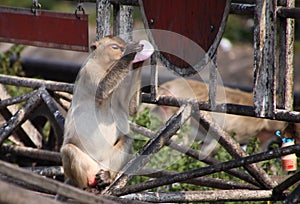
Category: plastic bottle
[289,162]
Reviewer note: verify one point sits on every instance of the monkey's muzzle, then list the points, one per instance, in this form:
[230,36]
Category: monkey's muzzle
[133,48]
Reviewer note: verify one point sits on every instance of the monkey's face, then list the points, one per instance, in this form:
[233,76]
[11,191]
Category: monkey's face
[108,50]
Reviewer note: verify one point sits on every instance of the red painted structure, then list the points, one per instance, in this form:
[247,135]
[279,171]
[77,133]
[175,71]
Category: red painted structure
[200,21]
[44,28]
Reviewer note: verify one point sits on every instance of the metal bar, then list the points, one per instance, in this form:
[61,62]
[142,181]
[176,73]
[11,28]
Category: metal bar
[202,181]
[36,83]
[126,2]
[53,71]
[242,9]
[32,153]
[153,146]
[291,116]
[56,118]
[294,197]
[17,99]
[102,18]
[161,100]
[288,12]
[234,149]
[116,19]
[203,196]
[212,83]
[123,2]
[136,2]
[59,118]
[66,72]
[62,100]
[265,58]
[47,170]
[153,77]
[244,1]
[286,32]
[208,170]
[19,134]
[192,153]
[27,133]
[278,190]
[123,27]
[126,22]
[20,117]
[202,105]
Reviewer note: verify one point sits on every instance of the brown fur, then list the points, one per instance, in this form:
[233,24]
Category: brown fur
[95,136]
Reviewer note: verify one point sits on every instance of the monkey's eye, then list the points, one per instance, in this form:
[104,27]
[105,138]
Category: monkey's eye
[115,47]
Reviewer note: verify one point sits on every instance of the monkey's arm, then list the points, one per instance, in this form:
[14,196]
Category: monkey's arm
[117,73]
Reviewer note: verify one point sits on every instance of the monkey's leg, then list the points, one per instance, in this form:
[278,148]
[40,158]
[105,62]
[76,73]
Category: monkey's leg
[78,166]
[118,157]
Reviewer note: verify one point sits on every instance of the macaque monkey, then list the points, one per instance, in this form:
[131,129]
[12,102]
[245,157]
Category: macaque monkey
[96,142]
[241,127]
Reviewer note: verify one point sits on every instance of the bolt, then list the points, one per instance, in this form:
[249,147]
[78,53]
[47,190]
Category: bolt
[151,21]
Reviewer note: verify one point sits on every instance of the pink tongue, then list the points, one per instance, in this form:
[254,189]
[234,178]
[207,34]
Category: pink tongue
[145,53]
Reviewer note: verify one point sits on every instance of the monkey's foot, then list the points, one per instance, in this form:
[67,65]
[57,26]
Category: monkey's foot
[103,179]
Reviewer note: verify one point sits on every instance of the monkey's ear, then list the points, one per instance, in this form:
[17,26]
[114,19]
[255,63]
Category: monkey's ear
[94,46]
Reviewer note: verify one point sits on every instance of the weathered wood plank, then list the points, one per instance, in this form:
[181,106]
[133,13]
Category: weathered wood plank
[286,31]
[264,58]
[203,196]
[102,18]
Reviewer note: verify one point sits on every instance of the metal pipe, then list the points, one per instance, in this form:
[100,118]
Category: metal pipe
[244,1]
[288,12]
[291,116]
[67,72]
[123,2]
[242,9]
[50,70]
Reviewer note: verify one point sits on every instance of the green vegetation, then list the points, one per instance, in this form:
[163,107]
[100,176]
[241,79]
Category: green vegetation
[239,29]
[14,52]
[10,64]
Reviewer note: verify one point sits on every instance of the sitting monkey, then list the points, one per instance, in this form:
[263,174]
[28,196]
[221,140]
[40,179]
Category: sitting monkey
[96,140]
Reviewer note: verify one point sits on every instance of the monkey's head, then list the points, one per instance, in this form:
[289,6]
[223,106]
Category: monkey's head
[111,48]
[108,50]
